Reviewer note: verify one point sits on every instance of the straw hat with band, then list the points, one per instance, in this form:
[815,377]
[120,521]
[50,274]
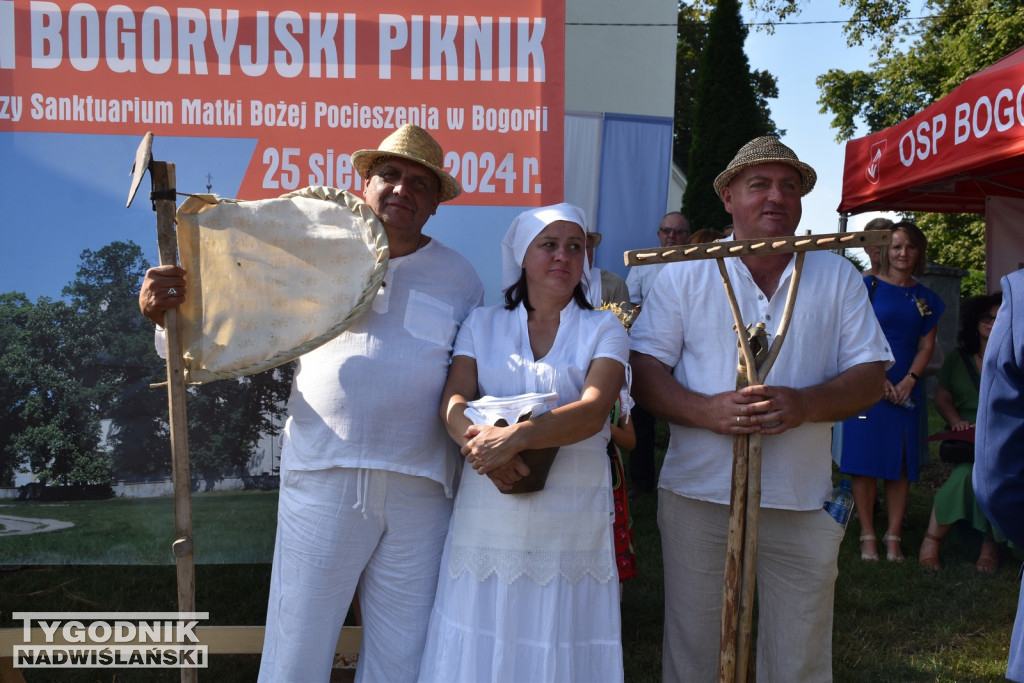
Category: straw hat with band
[414,144]
[765,150]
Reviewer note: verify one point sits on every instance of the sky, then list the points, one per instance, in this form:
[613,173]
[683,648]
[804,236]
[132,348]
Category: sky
[66,193]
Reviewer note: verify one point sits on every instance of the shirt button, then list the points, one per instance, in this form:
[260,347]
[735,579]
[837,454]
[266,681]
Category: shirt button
[760,297]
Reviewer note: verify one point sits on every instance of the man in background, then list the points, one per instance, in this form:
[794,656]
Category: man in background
[605,286]
[673,230]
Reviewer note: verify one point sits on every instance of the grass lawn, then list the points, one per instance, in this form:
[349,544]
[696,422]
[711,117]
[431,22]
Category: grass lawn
[229,527]
[892,622]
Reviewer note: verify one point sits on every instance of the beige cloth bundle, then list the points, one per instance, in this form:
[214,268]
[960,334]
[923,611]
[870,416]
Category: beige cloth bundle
[272,279]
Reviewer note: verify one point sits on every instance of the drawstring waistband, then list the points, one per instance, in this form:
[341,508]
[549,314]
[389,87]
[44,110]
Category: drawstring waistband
[362,490]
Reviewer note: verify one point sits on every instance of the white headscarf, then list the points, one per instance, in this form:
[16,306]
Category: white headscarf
[524,230]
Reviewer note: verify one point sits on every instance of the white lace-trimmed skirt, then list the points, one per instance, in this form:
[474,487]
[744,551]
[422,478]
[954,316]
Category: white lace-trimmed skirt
[506,615]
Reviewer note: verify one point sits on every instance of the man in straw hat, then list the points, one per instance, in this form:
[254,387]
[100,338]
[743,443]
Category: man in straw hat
[366,465]
[684,363]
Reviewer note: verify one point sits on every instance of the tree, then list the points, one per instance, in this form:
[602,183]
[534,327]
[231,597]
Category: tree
[726,114]
[692,31]
[49,418]
[235,414]
[105,293]
[15,384]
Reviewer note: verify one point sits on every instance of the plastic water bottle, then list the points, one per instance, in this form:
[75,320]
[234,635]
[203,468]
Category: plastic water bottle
[839,503]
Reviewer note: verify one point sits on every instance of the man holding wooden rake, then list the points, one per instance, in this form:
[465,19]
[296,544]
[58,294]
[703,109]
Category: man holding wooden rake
[684,363]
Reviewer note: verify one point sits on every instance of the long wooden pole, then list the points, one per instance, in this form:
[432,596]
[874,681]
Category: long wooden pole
[164,202]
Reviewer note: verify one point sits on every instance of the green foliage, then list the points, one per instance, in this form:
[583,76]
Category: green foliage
[227,419]
[48,420]
[958,240]
[726,114]
[956,39]
[692,35]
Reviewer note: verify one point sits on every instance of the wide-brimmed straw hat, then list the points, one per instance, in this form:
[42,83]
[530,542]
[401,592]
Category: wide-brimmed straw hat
[415,144]
[765,150]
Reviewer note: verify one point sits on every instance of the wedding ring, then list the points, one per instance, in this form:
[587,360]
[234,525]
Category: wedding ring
[738,421]
[171,291]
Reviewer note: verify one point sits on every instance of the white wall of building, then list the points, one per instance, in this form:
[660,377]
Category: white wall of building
[620,56]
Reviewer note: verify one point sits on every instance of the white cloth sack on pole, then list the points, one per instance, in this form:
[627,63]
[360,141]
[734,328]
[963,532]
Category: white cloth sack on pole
[272,279]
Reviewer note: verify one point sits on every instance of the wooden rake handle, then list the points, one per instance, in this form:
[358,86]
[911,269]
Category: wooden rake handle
[758,247]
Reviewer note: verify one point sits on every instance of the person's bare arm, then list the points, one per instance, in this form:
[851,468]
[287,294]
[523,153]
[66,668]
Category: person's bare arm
[899,392]
[623,434]
[459,389]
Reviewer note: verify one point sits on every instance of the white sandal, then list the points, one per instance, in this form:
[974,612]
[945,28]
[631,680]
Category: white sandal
[892,557]
[869,557]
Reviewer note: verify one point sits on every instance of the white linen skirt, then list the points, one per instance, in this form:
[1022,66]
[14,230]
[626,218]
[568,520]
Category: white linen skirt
[509,630]
[488,630]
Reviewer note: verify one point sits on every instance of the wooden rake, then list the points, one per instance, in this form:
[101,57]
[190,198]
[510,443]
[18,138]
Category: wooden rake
[756,360]
[163,196]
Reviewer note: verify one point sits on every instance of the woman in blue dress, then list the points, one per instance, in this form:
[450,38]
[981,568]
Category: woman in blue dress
[883,443]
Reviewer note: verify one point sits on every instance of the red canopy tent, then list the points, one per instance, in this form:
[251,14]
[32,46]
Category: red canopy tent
[965,153]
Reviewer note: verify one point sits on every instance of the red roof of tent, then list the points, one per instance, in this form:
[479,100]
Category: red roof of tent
[950,156]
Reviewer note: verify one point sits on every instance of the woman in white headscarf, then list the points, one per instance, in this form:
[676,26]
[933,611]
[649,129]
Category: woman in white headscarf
[528,588]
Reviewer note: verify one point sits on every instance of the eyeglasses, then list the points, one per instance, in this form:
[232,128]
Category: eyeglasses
[673,231]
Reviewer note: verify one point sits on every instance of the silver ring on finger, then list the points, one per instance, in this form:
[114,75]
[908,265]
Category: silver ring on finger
[171,291]
[739,420]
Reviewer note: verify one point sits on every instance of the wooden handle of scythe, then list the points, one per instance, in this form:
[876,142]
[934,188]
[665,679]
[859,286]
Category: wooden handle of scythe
[163,180]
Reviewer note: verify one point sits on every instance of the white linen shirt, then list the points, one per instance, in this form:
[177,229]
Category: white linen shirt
[370,398]
[639,281]
[687,324]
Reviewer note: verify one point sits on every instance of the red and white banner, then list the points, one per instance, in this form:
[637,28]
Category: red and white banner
[948,157]
[309,83]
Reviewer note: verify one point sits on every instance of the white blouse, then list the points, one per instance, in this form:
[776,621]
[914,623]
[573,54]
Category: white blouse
[565,529]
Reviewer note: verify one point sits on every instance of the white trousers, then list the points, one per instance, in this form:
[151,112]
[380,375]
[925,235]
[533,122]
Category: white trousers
[796,574]
[341,527]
